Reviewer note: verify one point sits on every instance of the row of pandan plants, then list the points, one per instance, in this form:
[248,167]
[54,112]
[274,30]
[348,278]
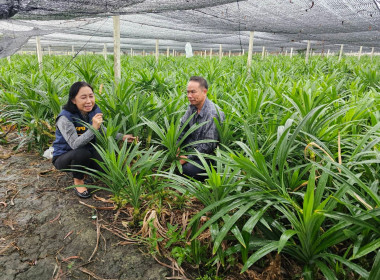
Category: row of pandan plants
[295,182]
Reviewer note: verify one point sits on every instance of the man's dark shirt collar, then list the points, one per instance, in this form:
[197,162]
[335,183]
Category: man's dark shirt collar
[204,108]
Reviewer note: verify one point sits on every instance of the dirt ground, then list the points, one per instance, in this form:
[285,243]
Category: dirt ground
[46,233]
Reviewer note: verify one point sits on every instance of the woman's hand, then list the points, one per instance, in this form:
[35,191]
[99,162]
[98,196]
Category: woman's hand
[130,138]
[97,120]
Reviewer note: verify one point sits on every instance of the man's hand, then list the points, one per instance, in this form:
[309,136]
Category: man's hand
[182,161]
[130,138]
[97,120]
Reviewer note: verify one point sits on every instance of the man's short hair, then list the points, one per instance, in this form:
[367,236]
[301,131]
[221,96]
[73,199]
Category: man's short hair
[202,81]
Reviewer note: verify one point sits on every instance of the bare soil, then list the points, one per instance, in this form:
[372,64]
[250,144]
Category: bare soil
[46,233]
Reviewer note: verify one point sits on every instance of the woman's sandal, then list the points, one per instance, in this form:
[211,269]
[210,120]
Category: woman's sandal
[85,194]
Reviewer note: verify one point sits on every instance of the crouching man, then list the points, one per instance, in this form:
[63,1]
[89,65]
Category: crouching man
[205,111]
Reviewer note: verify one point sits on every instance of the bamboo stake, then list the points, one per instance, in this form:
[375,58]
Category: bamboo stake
[307,52]
[341,52]
[173,53]
[250,49]
[328,52]
[220,52]
[372,52]
[167,52]
[9,59]
[157,51]
[229,53]
[210,53]
[291,52]
[116,48]
[360,52]
[39,52]
[263,53]
[105,52]
[72,50]
[49,50]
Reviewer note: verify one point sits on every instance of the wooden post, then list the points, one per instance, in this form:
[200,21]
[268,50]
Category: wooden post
[291,52]
[372,52]
[105,52]
[250,49]
[39,52]
[341,52]
[360,52]
[116,48]
[263,53]
[307,52]
[157,51]
[220,52]
[167,52]
[210,53]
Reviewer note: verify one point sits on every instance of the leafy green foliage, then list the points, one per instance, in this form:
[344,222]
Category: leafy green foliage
[297,171]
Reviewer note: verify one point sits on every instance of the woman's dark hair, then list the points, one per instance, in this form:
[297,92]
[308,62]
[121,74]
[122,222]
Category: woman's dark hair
[70,106]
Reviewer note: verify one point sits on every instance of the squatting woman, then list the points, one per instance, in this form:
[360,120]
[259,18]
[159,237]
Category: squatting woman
[73,140]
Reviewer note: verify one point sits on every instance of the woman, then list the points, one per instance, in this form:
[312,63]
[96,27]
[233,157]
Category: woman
[73,140]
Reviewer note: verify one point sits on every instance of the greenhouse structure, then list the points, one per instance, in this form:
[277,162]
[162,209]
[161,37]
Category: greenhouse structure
[190,139]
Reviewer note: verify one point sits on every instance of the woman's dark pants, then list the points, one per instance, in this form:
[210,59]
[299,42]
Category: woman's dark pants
[74,158]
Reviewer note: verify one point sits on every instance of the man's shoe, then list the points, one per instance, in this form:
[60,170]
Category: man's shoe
[85,194]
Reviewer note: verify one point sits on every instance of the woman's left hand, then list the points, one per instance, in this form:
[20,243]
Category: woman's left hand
[130,138]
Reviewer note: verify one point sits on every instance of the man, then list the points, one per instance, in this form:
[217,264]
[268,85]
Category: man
[205,111]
